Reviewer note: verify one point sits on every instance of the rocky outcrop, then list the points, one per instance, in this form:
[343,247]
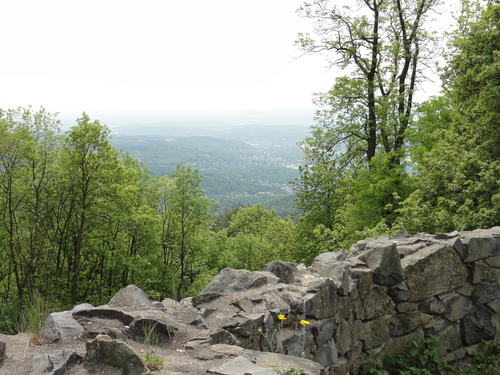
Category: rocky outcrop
[325,319]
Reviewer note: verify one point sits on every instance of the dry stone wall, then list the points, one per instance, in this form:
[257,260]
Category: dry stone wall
[327,318]
[370,301]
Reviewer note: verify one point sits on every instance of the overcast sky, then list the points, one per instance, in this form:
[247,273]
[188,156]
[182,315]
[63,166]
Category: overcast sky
[75,56]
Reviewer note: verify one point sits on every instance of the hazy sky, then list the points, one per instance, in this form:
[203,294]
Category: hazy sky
[75,56]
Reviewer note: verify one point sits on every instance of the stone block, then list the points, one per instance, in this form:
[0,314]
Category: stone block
[477,326]
[376,333]
[322,304]
[385,263]
[404,323]
[456,307]
[377,303]
[481,247]
[433,270]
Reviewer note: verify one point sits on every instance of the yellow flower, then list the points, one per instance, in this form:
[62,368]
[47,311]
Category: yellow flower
[281,317]
[260,330]
[304,322]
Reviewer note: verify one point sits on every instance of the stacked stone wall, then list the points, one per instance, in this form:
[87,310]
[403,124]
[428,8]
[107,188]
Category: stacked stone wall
[370,301]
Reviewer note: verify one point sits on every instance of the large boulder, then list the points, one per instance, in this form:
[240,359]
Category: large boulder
[230,280]
[433,270]
[130,296]
[55,363]
[61,327]
[115,353]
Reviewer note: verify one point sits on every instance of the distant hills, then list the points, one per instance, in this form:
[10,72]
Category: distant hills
[245,157]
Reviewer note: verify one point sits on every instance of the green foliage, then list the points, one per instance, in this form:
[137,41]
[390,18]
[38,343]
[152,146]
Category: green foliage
[34,314]
[422,357]
[151,338]
[288,371]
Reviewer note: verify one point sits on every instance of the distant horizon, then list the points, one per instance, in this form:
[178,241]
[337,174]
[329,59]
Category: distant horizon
[176,117]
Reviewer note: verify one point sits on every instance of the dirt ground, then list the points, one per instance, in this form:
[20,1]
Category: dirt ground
[177,358]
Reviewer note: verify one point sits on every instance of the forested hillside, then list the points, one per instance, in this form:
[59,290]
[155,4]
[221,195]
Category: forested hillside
[246,164]
[81,219]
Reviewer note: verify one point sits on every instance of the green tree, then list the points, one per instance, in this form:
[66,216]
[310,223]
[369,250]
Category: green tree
[458,186]
[185,222]
[355,176]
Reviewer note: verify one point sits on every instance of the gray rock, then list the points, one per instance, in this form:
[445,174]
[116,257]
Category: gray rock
[221,336]
[323,303]
[130,296]
[400,292]
[236,366]
[433,270]
[117,354]
[326,354]
[482,272]
[142,326]
[330,257]
[434,306]
[485,292]
[481,247]
[376,332]
[478,326]
[449,340]
[385,263]
[377,303]
[339,272]
[61,327]
[493,261]
[285,271]
[230,280]
[404,323]
[55,363]
[104,313]
[456,307]
[3,348]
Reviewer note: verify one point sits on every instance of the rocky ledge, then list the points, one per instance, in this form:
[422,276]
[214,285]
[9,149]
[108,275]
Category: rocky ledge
[324,319]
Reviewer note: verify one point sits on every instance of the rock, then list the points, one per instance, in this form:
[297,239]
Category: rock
[485,292]
[230,280]
[322,304]
[400,292]
[130,296]
[3,348]
[142,326]
[482,272]
[82,306]
[449,340]
[285,271]
[221,336]
[104,313]
[398,345]
[238,366]
[434,306]
[326,354]
[433,270]
[281,361]
[116,354]
[61,327]
[377,303]
[339,272]
[480,247]
[55,363]
[404,323]
[384,261]
[376,332]
[456,307]
[478,326]
[330,257]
